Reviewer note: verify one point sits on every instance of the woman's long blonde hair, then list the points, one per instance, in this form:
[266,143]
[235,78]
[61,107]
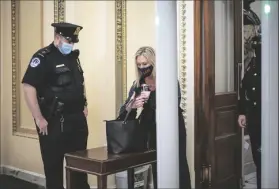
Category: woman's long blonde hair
[149,53]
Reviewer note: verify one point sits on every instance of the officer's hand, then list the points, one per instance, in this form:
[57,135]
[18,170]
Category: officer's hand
[42,124]
[85,111]
[242,121]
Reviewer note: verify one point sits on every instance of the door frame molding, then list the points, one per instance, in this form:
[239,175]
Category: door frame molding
[204,74]
[198,148]
[1,58]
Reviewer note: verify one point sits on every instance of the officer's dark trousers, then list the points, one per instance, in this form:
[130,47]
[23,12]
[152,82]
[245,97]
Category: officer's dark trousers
[57,143]
[254,131]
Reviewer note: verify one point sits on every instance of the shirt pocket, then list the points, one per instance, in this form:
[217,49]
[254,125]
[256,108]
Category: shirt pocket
[63,76]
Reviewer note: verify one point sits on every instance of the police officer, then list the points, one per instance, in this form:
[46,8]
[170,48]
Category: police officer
[55,94]
[250,106]
[250,113]
[250,91]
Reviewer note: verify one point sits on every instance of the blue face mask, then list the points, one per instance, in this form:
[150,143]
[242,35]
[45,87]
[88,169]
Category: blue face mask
[65,48]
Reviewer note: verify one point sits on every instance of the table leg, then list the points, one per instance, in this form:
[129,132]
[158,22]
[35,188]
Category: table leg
[131,178]
[102,182]
[68,179]
[154,174]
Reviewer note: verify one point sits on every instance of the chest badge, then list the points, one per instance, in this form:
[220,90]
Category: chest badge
[60,65]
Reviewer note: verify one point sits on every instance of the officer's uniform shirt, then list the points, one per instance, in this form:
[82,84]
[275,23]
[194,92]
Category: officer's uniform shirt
[55,74]
[38,69]
[250,91]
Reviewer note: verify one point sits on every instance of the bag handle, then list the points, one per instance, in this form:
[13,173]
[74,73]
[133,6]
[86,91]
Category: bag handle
[130,108]
[131,102]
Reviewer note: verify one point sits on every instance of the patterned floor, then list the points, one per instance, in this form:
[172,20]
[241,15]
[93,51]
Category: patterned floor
[250,181]
[8,182]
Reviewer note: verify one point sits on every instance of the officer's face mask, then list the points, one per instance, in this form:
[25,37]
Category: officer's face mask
[64,47]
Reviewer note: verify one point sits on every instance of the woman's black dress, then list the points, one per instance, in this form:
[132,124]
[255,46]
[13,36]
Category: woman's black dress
[148,121]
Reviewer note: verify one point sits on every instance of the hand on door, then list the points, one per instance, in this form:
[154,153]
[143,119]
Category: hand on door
[242,121]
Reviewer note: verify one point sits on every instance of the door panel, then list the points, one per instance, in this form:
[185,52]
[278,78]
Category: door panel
[226,146]
[216,97]
[227,143]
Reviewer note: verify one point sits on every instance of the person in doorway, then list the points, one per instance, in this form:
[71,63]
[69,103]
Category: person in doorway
[54,91]
[250,90]
[146,101]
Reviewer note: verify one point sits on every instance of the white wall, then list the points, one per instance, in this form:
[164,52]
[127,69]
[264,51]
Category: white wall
[256,7]
[190,94]
[270,96]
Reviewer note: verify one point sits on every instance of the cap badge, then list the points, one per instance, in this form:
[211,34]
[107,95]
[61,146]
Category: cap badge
[77,31]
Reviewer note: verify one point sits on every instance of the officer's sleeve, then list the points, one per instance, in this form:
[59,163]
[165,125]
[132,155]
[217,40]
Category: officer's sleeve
[242,101]
[36,72]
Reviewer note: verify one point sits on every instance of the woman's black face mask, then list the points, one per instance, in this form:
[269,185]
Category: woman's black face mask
[145,72]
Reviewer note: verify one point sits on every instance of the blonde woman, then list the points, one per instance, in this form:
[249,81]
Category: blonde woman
[146,75]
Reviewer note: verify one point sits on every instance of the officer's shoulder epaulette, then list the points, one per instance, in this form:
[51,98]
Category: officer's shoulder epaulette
[76,53]
[43,52]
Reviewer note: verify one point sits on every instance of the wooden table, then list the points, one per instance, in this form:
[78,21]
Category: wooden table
[98,162]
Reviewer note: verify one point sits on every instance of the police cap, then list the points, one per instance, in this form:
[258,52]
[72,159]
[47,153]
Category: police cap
[68,31]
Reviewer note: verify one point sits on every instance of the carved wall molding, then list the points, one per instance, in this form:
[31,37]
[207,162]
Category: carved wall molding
[182,55]
[120,52]
[15,96]
[59,16]
[59,11]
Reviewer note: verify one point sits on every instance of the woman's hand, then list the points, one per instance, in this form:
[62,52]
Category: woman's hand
[139,101]
[145,95]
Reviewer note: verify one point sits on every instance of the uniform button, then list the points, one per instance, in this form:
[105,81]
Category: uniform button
[255,74]
[255,103]
[253,88]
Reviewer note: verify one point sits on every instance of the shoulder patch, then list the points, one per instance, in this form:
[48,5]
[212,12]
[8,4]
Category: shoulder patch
[35,62]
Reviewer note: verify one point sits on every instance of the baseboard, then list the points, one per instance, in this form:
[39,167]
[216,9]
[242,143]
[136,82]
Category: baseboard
[29,176]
